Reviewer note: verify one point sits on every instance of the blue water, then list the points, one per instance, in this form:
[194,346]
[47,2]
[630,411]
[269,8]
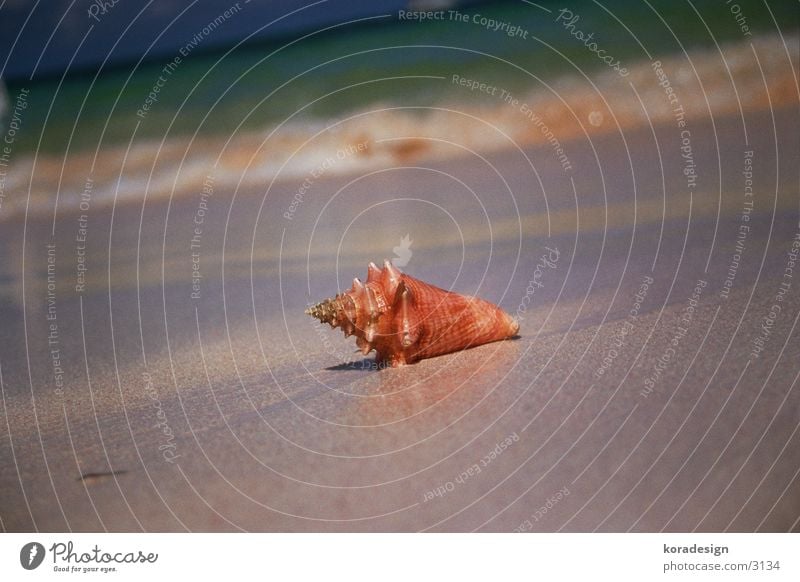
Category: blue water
[217,88]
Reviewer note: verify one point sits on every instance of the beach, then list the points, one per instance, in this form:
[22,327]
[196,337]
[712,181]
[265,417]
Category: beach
[159,374]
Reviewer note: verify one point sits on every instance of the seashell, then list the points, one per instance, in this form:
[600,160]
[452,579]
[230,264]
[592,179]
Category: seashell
[406,320]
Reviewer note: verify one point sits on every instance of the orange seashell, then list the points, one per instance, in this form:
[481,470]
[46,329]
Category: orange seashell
[406,320]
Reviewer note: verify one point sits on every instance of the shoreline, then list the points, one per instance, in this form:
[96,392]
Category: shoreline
[389,136]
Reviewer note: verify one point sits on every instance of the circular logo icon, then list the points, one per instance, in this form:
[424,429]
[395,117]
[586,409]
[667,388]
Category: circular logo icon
[31,555]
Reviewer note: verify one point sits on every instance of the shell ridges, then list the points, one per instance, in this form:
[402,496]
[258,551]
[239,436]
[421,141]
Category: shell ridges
[406,320]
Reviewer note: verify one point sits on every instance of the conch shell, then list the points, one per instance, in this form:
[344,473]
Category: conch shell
[406,320]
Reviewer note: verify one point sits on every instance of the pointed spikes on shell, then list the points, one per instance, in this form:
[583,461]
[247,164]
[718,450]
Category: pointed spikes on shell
[325,311]
[336,311]
[390,278]
[406,320]
[373,273]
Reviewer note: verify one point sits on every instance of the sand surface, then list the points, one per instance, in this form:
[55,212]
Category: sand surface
[235,411]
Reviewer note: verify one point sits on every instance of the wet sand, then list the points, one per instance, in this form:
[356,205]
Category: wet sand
[232,410]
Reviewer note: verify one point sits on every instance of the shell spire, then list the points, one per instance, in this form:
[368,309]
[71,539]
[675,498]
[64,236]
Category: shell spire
[406,320]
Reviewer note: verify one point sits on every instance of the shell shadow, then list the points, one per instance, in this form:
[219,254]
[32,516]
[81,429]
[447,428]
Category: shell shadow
[370,364]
